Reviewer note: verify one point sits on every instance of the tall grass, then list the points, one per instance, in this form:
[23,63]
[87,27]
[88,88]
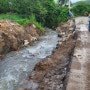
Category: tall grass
[22,21]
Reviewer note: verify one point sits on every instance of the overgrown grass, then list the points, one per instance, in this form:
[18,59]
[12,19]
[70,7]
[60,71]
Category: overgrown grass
[22,21]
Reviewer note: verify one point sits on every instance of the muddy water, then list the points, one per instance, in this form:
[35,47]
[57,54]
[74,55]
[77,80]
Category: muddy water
[16,66]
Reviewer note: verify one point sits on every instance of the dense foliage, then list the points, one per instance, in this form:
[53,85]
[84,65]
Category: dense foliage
[88,1]
[80,8]
[46,12]
[22,21]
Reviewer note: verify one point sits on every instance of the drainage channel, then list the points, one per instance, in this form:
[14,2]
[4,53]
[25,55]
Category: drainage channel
[16,66]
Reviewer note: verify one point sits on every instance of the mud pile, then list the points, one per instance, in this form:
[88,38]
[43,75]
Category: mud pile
[51,72]
[13,36]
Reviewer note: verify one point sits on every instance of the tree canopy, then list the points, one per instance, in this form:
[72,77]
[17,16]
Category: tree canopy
[46,12]
[80,8]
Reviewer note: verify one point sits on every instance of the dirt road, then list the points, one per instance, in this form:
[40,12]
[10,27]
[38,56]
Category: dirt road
[79,78]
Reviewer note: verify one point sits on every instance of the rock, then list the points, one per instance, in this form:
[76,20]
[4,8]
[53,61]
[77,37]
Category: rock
[71,29]
[62,33]
[33,26]
[58,29]
[34,38]
[59,42]
[26,42]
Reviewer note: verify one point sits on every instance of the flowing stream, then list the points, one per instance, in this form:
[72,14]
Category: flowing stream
[16,66]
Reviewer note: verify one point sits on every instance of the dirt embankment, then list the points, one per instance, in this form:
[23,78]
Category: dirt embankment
[51,72]
[13,36]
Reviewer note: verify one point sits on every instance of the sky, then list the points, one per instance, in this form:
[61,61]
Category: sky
[73,1]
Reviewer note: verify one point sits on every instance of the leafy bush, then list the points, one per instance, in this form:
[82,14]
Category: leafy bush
[80,8]
[46,12]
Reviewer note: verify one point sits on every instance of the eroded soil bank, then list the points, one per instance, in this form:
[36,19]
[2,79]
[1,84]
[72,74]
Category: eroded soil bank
[13,36]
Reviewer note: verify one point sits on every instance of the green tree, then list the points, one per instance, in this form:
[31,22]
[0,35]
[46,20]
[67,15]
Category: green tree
[80,8]
[88,1]
[46,12]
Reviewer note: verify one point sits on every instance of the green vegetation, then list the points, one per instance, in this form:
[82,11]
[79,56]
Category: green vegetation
[80,8]
[46,12]
[88,1]
[40,12]
[20,20]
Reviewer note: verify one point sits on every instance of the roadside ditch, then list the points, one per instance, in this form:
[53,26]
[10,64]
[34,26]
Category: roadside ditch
[52,72]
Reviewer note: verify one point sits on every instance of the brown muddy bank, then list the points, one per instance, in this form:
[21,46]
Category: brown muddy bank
[13,36]
[51,72]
